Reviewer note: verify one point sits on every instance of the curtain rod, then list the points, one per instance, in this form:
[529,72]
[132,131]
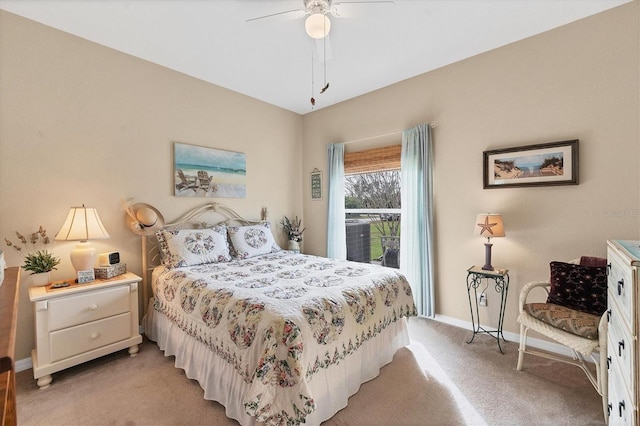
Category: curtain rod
[433,125]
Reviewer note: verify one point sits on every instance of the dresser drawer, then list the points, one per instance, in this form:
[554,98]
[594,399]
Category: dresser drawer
[83,338]
[621,405]
[621,287]
[86,307]
[621,348]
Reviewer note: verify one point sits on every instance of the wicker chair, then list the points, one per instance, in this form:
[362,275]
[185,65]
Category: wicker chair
[390,251]
[586,338]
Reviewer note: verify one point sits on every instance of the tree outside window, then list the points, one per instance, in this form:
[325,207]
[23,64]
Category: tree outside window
[372,191]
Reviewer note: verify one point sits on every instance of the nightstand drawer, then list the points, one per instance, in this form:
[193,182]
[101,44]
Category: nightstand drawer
[83,338]
[86,307]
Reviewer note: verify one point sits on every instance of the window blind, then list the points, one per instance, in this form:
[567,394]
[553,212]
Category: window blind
[372,160]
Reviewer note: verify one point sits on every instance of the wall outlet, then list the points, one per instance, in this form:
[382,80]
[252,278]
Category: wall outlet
[482,299]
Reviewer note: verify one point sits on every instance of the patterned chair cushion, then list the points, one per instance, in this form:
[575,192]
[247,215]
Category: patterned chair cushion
[572,321]
[583,288]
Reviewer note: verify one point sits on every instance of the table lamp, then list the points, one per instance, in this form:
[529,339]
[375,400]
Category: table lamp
[82,224]
[489,225]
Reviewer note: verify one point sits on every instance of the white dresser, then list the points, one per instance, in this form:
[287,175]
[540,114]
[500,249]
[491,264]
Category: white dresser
[624,267]
[81,322]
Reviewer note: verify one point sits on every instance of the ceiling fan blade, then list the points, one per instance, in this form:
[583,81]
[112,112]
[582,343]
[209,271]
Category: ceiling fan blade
[363,1]
[335,6]
[300,13]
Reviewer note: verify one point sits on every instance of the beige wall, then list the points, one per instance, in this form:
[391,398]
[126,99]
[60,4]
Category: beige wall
[578,81]
[81,123]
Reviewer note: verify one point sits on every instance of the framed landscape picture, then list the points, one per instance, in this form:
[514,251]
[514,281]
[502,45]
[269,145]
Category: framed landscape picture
[208,172]
[554,163]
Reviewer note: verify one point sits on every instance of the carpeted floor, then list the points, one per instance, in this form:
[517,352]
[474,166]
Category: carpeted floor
[438,380]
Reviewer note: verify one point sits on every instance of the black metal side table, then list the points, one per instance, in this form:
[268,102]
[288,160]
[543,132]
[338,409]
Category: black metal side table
[500,277]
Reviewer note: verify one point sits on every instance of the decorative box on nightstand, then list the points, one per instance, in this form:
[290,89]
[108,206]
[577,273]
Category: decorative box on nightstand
[82,322]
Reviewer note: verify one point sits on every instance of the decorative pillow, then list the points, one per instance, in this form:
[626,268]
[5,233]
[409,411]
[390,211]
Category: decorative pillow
[593,261]
[578,287]
[570,320]
[187,247]
[253,240]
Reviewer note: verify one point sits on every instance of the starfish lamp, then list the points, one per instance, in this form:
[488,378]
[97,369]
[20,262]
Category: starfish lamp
[489,225]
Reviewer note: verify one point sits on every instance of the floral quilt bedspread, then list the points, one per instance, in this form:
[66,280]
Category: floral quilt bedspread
[280,318]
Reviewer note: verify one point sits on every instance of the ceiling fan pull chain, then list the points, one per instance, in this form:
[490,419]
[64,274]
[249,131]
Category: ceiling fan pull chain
[313,100]
[324,54]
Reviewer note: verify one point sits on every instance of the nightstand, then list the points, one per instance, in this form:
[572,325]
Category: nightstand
[500,278]
[82,322]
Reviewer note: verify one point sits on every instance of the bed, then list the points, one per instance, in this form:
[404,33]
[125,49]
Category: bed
[276,337]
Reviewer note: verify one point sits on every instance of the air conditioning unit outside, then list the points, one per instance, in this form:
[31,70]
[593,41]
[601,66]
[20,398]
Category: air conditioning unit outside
[358,240]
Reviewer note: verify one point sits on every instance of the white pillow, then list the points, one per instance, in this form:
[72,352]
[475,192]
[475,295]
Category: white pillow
[253,240]
[187,247]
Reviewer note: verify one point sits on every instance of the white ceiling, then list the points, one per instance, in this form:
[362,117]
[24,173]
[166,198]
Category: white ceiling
[370,45]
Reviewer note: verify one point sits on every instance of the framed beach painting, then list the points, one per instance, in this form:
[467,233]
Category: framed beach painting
[554,163]
[208,172]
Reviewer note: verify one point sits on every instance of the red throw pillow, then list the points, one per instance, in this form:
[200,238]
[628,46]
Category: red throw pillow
[593,261]
[583,288]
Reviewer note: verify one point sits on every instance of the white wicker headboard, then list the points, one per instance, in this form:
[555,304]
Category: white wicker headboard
[199,217]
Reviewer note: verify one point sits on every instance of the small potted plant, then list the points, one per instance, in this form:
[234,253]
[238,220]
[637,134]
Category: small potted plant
[293,231]
[37,258]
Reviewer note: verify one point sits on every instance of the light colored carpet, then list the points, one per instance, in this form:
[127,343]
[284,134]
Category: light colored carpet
[438,380]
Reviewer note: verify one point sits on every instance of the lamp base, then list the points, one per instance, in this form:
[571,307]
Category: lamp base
[487,257]
[83,256]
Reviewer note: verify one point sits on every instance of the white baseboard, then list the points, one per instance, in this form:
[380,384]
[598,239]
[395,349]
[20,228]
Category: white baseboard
[544,345]
[25,364]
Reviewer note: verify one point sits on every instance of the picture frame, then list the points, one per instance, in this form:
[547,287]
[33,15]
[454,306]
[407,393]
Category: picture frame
[86,276]
[208,172]
[546,164]
[316,184]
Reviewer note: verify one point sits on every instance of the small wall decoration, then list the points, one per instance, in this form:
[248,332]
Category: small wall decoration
[208,172]
[316,184]
[554,163]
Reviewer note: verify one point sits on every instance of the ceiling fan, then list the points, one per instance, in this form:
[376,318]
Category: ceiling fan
[317,23]
[317,26]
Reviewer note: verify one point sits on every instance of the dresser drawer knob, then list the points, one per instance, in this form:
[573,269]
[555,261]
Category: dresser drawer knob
[620,286]
[608,362]
[94,335]
[608,315]
[93,307]
[620,408]
[620,347]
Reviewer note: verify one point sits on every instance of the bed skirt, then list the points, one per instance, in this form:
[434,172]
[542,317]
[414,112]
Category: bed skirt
[330,390]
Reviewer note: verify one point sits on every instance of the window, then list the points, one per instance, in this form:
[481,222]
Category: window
[372,204]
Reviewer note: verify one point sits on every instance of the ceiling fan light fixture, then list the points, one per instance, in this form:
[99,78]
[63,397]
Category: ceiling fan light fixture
[317,25]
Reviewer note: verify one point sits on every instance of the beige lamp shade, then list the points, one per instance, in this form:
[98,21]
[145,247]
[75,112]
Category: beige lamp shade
[317,25]
[82,224]
[489,225]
